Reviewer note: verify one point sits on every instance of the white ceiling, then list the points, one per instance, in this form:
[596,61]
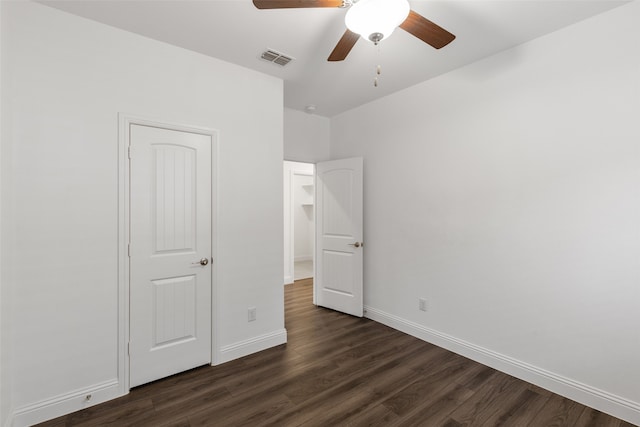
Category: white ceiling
[237,32]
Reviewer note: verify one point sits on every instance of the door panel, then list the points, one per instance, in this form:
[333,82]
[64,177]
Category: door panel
[339,249]
[337,269]
[175,199]
[174,309]
[337,203]
[170,289]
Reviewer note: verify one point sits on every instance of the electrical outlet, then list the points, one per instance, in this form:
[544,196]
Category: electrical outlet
[252,314]
[422,304]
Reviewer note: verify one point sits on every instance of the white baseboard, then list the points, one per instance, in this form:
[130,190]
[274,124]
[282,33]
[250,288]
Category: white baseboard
[303,258]
[288,280]
[66,403]
[582,393]
[252,345]
[76,400]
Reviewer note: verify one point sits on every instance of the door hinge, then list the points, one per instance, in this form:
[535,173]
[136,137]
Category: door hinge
[129,348]
[129,250]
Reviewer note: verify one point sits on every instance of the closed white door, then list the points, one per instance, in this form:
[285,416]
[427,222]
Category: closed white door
[170,252]
[338,280]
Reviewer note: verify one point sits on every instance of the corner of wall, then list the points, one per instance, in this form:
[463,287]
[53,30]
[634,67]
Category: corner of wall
[252,345]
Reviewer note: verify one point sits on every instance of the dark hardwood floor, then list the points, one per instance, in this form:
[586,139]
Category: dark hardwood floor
[338,370]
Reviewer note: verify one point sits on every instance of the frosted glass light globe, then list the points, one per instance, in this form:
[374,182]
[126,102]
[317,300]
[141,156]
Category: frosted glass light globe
[375,20]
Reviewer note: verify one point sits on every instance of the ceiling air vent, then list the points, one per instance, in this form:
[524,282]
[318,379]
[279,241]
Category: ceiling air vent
[276,57]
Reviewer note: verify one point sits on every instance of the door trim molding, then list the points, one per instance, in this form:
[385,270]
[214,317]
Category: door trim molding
[124,122]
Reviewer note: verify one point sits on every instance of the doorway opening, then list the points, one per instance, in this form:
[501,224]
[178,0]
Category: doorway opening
[299,221]
[328,198]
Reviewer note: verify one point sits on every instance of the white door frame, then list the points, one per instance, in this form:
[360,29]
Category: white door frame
[124,122]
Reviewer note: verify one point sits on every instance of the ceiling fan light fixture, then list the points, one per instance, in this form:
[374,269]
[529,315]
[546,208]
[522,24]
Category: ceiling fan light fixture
[375,20]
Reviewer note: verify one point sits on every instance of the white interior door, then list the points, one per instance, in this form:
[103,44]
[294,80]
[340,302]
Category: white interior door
[338,280]
[170,252]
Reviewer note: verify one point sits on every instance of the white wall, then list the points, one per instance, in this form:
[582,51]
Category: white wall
[506,193]
[306,137]
[291,210]
[68,80]
[5,362]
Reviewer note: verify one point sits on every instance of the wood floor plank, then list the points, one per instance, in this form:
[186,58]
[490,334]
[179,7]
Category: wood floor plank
[190,401]
[343,407]
[437,408]
[123,415]
[593,418]
[517,410]
[476,376]
[558,411]
[398,374]
[339,370]
[488,399]
[354,372]
[376,416]
[239,412]
[426,386]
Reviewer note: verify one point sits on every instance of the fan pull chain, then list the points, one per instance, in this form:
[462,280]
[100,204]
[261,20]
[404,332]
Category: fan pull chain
[378,69]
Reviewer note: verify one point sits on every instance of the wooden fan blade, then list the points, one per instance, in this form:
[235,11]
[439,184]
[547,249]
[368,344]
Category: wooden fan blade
[295,4]
[426,30]
[344,46]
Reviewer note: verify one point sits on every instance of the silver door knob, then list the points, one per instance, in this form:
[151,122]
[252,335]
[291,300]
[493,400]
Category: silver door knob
[356,244]
[203,261]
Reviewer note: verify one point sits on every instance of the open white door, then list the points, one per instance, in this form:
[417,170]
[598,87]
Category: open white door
[170,250]
[338,279]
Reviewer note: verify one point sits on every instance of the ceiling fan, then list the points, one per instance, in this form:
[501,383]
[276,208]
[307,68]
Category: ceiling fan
[373,19]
